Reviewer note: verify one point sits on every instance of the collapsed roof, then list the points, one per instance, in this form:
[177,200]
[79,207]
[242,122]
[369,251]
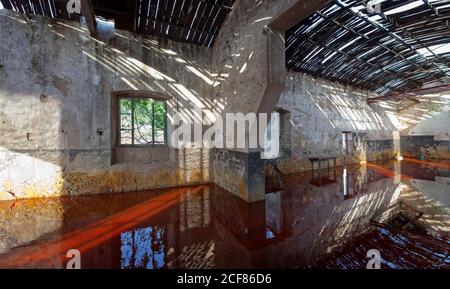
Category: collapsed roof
[384,46]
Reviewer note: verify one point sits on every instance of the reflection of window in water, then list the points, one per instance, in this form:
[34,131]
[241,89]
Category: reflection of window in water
[143,248]
[194,211]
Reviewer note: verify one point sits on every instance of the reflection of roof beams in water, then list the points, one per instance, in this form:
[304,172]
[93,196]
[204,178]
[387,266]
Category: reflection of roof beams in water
[410,95]
[304,222]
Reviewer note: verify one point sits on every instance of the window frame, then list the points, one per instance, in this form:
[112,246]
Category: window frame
[117,120]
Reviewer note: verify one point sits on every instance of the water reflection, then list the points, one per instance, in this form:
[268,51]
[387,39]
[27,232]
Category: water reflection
[402,210]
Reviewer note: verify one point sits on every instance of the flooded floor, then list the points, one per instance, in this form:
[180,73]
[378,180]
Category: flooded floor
[331,221]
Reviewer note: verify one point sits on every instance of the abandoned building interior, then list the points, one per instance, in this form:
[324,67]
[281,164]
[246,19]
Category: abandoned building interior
[90,101]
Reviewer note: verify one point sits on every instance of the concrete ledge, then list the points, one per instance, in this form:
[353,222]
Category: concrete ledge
[240,173]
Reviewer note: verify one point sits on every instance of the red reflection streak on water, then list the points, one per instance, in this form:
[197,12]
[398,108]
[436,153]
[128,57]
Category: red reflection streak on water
[386,172]
[433,164]
[96,234]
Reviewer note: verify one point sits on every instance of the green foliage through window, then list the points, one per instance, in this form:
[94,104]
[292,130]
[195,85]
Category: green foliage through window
[142,121]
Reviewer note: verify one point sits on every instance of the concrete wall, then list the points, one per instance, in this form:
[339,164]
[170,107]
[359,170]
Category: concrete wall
[55,91]
[323,221]
[249,59]
[240,173]
[318,112]
[241,61]
[240,54]
[429,138]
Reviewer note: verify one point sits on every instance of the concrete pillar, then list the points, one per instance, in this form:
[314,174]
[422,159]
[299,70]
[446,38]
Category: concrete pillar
[239,172]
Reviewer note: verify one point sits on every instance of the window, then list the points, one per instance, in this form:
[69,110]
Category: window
[142,122]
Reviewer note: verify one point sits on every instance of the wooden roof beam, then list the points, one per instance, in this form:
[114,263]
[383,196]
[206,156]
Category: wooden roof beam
[393,36]
[88,13]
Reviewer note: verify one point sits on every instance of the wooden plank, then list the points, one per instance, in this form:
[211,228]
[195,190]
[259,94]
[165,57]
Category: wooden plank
[172,19]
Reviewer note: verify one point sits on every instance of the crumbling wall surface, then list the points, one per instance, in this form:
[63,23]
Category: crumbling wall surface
[241,61]
[429,138]
[320,111]
[322,218]
[240,54]
[55,90]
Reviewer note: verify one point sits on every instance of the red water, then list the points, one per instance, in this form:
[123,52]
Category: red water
[307,224]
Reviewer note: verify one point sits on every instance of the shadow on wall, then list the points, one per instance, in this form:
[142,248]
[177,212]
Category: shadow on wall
[322,110]
[55,85]
[129,230]
[222,230]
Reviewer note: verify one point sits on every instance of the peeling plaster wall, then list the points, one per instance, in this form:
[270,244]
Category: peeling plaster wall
[429,138]
[55,85]
[319,112]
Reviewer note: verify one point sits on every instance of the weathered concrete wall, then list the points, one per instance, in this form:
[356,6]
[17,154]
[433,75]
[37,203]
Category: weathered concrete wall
[62,146]
[55,86]
[319,112]
[424,147]
[248,57]
[324,222]
[429,138]
[240,54]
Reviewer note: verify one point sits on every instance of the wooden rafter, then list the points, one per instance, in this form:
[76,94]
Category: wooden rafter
[89,14]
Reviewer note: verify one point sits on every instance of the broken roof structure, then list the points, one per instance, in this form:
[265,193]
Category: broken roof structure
[192,21]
